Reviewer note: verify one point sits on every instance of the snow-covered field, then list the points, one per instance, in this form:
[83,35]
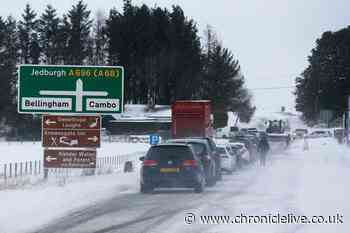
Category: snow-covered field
[27,209]
[295,182]
[26,151]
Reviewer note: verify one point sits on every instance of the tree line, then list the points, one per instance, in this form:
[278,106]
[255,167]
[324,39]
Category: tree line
[325,83]
[161,50]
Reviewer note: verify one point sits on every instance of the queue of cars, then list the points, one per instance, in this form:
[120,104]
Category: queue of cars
[314,133]
[197,162]
[191,163]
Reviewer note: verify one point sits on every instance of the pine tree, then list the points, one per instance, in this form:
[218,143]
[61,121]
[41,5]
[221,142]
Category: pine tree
[4,82]
[28,26]
[63,35]
[99,40]
[79,34]
[325,83]
[9,59]
[49,36]
[34,49]
[2,31]
[221,71]
[186,51]
[22,126]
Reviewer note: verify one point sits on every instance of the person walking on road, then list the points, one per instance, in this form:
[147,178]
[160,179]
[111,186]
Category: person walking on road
[263,149]
[306,144]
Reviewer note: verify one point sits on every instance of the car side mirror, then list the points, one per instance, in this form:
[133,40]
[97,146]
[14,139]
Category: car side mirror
[142,158]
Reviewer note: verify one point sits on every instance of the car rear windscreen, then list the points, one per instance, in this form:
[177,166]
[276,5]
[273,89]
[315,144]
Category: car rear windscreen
[165,153]
[199,148]
[221,150]
[235,150]
[237,146]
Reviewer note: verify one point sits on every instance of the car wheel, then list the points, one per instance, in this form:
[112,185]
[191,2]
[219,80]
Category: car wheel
[199,188]
[211,179]
[146,189]
[219,175]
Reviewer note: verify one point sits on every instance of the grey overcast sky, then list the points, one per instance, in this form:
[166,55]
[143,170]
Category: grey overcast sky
[271,38]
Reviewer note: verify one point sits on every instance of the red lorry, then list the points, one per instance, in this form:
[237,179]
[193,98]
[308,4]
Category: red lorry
[191,118]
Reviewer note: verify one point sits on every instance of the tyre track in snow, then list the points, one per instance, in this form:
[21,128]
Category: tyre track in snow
[148,210]
[140,213]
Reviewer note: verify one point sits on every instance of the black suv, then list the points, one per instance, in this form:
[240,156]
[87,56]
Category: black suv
[172,165]
[214,152]
[204,152]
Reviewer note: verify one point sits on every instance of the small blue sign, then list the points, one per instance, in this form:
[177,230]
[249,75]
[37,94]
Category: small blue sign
[154,139]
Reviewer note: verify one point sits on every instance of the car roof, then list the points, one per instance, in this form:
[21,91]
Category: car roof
[222,145]
[320,131]
[236,143]
[171,144]
[186,140]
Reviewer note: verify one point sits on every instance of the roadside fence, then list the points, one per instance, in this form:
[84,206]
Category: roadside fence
[20,173]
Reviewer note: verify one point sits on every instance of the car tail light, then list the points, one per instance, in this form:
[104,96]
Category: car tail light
[190,163]
[150,163]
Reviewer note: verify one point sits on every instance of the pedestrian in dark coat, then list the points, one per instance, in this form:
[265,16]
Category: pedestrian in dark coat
[263,149]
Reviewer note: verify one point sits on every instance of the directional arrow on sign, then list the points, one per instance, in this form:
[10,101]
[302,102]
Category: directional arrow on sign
[49,159]
[93,139]
[48,122]
[78,93]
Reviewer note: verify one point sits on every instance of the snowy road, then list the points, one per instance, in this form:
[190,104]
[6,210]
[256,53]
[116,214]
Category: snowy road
[294,182]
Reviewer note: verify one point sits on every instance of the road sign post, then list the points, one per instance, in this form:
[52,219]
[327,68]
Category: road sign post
[69,158]
[75,92]
[70,89]
[71,131]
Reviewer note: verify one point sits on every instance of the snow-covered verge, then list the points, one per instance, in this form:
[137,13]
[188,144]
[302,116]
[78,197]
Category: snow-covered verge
[324,184]
[302,183]
[295,181]
[25,210]
[34,205]
[26,151]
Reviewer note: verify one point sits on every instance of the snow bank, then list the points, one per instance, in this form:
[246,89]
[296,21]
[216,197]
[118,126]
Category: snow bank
[324,188]
[26,151]
[25,210]
[295,181]
[302,183]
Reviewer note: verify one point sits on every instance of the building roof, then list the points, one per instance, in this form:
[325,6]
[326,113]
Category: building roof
[141,113]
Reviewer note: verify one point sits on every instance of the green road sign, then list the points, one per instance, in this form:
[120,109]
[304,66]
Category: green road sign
[70,89]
